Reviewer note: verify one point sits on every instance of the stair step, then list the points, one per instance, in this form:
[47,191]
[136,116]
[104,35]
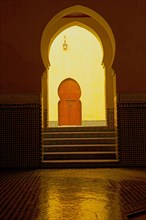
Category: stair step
[78,138]
[71,141]
[78,148]
[80,161]
[78,128]
[72,156]
[76,152]
[77,134]
[79,145]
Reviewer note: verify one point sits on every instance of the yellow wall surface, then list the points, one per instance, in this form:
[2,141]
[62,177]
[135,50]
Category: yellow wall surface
[81,62]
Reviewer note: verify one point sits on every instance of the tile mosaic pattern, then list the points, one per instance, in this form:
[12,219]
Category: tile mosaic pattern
[84,123]
[132,129]
[81,194]
[20,134]
[110,117]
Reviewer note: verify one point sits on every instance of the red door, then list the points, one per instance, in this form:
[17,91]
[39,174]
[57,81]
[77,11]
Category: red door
[69,106]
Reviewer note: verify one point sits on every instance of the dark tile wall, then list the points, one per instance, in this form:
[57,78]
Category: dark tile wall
[20,136]
[20,133]
[132,133]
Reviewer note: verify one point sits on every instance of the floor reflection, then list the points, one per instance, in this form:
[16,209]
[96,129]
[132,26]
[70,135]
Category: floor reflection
[72,194]
[67,197]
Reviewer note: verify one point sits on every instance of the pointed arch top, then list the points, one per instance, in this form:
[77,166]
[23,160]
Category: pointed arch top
[97,23]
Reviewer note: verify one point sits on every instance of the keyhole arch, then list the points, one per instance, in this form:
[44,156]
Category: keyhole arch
[69,89]
[69,105]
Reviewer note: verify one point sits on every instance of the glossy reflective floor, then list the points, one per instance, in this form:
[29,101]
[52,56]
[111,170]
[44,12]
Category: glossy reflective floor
[72,194]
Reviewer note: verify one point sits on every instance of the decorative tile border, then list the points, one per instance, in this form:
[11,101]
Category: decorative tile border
[110,117]
[24,105]
[94,123]
[131,98]
[84,123]
[19,98]
[45,118]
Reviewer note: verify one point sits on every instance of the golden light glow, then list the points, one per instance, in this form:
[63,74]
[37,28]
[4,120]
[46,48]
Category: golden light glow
[81,61]
[70,198]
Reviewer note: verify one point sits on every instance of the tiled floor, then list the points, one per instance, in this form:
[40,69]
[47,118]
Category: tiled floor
[72,194]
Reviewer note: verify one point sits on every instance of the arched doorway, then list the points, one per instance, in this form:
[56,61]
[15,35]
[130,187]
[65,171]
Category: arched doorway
[93,22]
[69,105]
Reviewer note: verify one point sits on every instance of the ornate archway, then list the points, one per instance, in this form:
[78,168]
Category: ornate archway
[92,21]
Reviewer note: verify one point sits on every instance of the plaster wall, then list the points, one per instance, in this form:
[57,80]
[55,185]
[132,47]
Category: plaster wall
[22,24]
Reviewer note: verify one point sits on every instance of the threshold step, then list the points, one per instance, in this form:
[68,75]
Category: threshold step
[79,161]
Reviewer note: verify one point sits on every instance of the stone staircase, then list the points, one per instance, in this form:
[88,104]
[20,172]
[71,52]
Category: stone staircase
[79,147]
